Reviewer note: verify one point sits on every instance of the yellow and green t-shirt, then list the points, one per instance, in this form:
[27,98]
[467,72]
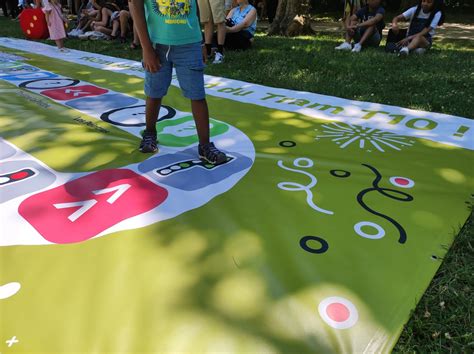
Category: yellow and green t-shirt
[172,22]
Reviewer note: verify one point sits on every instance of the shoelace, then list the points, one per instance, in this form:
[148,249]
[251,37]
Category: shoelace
[212,152]
[149,139]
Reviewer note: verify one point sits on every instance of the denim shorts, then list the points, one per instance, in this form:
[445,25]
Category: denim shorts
[372,41]
[187,60]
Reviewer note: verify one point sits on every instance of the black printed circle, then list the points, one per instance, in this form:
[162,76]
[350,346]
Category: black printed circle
[287,143]
[59,83]
[171,112]
[304,244]
[340,173]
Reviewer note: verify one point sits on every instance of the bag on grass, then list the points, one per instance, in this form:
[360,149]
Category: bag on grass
[393,39]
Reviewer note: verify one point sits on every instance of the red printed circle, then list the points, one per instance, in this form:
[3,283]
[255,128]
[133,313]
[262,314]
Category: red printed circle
[402,181]
[338,312]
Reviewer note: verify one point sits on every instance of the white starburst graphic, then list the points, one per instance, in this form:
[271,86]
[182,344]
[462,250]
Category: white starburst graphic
[367,138]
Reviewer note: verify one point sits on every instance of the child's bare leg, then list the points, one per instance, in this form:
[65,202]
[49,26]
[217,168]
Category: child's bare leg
[115,27]
[124,16]
[367,34]
[151,113]
[418,42]
[350,33]
[59,43]
[103,29]
[201,118]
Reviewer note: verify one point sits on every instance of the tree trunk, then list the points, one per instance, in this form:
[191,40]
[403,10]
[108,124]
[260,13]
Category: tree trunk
[292,19]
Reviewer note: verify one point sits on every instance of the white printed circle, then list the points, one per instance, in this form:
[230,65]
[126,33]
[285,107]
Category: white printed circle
[338,312]
[380,231]
[9,289]
[402,182]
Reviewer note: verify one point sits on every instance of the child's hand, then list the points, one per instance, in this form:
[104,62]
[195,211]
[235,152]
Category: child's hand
[151,62]
[404,42]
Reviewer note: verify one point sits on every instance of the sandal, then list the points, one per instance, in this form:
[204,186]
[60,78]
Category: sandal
[134,45]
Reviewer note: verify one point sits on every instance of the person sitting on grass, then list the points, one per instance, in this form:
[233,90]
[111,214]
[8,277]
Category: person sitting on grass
[365,28]
[241,24]
[424,18]
[90,12]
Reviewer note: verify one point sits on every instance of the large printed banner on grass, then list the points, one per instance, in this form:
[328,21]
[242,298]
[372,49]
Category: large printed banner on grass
[319,234]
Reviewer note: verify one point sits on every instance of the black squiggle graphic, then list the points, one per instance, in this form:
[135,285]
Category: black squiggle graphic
[384,191]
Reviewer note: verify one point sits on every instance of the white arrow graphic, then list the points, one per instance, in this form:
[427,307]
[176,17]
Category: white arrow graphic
[77,92]
[84,206]
[119,190]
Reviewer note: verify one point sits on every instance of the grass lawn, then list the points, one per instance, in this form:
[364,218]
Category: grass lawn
[442,81]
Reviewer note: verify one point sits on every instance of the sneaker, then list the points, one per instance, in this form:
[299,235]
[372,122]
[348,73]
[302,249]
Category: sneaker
[219,58]
[404,52]
[149,142]
[211,154]
[420,51]
[357,48]
[73,33]
[344,46]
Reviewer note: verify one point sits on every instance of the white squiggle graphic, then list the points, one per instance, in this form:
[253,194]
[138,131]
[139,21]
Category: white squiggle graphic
[302,162]
[9,289]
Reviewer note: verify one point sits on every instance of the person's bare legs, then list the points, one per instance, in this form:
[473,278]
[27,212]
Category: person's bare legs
[124,16]
[369,31]
[151,113]
[418,42]
[103,30]
[115,28]
[201,119]
[59,43]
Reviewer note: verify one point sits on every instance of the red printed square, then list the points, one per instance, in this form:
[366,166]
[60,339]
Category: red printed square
[85,207]
[70,93]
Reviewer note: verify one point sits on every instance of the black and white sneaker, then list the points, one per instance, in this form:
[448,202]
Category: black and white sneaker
[211,154]
[149,142]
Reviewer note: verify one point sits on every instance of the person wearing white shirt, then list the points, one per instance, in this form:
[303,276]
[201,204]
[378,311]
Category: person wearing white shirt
[424,18]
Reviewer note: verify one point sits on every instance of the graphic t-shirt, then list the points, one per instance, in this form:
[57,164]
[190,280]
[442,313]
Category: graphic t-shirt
[172,22]
[366,13]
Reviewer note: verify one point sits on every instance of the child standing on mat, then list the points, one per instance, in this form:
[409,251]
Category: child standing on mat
[55,21]
[424,18]
[170,36]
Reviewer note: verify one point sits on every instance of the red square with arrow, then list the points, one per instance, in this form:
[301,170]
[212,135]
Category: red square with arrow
[73,92]
[85,207]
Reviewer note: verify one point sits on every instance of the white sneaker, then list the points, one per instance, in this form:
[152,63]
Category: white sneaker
[357,48]
[404,52]
[219,58]
[344,46]
[420,51]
